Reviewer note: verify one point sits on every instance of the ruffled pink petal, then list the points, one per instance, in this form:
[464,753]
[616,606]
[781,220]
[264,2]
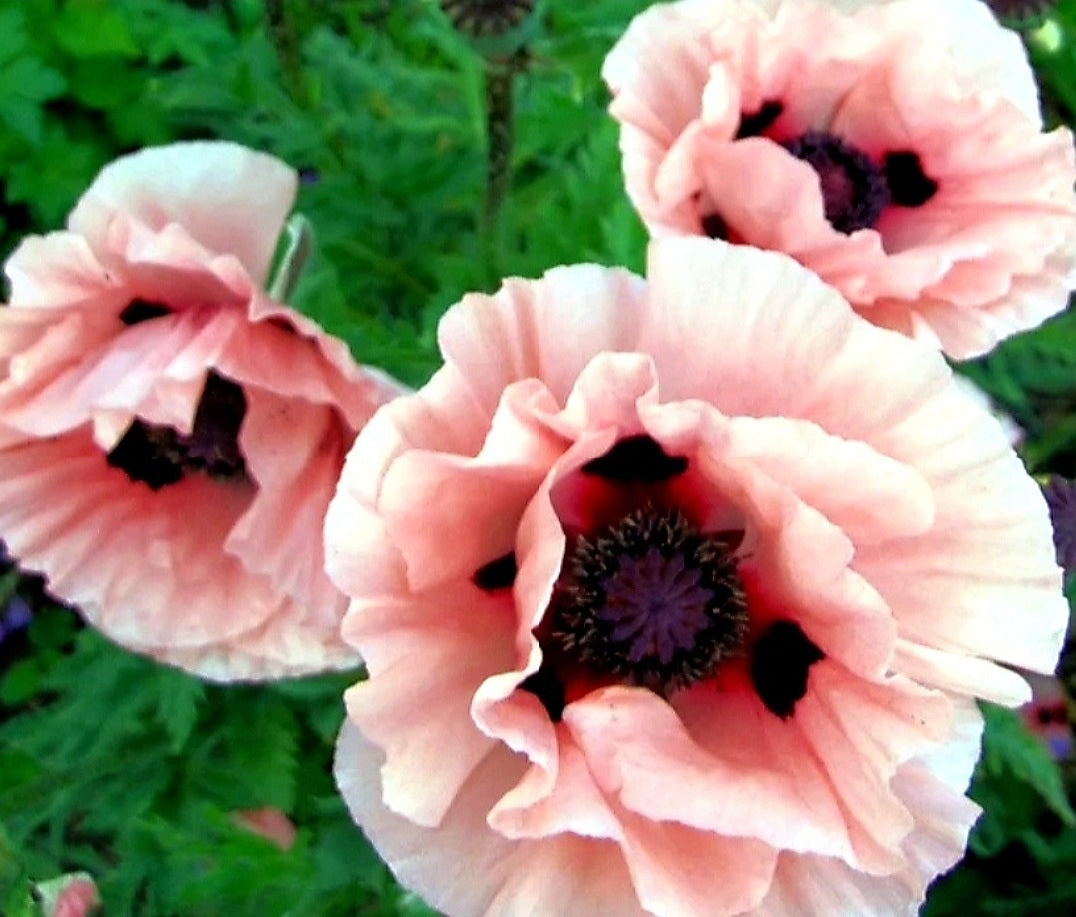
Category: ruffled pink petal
[682,872]
[640,752]
[664,53]
[556,799]
[988,59]
[562,874]
[988,560]
[122,373]
[292,642]
[787,318]
[968,675]
[254,355]
[518,333]
[477,502]
[60,503]
[1004,214]
[228,198]
[413,709]
[59,271]
[294,452]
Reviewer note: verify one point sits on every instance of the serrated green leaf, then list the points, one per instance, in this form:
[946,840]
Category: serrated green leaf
[1015,762]
[180,699]
[21,681]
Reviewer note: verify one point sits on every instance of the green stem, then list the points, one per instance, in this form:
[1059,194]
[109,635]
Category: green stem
[500,134]
[286,41]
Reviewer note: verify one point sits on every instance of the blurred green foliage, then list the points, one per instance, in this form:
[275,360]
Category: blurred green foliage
[134,772]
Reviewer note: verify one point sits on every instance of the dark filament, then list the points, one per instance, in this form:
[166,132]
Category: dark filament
[157,455]
[779,665]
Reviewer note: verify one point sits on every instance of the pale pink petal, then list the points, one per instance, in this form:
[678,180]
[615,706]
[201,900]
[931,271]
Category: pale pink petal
[687,78]
[562,874]
[165,549]
[119,324]
[229,198]
[640,752]
[678,870]
[518,333]
[549,801]
[837,461]
[503,476]
[294,452]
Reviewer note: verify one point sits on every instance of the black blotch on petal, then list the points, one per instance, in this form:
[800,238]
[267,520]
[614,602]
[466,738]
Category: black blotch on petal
[758,122]
[545,685]
[909,185]
[139,454]
[779,667]
[637,459]
[141,311]
[715,227]
[497,574]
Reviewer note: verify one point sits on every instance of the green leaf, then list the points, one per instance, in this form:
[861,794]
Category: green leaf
[93,28]
[180,698]
[1016,781]
[25,83]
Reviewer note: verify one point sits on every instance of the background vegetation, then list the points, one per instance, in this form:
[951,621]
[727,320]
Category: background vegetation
[134,772]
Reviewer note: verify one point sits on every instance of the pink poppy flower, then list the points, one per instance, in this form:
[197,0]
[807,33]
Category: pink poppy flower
[170,435]
[894,148]
[674,595]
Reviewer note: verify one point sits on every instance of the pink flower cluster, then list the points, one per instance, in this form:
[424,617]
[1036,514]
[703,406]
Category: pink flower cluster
[675,594]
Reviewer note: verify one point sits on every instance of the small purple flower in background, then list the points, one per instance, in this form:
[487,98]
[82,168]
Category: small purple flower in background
[1047,714]
[1061,498]
[15,611]
[14,616]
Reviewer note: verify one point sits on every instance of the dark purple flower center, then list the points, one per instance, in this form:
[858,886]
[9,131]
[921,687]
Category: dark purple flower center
[157,455]
[651,601]
[854,189]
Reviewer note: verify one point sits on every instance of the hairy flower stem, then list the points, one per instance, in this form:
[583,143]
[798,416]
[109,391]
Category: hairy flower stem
[500,133]
[501,81]
[285,40]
